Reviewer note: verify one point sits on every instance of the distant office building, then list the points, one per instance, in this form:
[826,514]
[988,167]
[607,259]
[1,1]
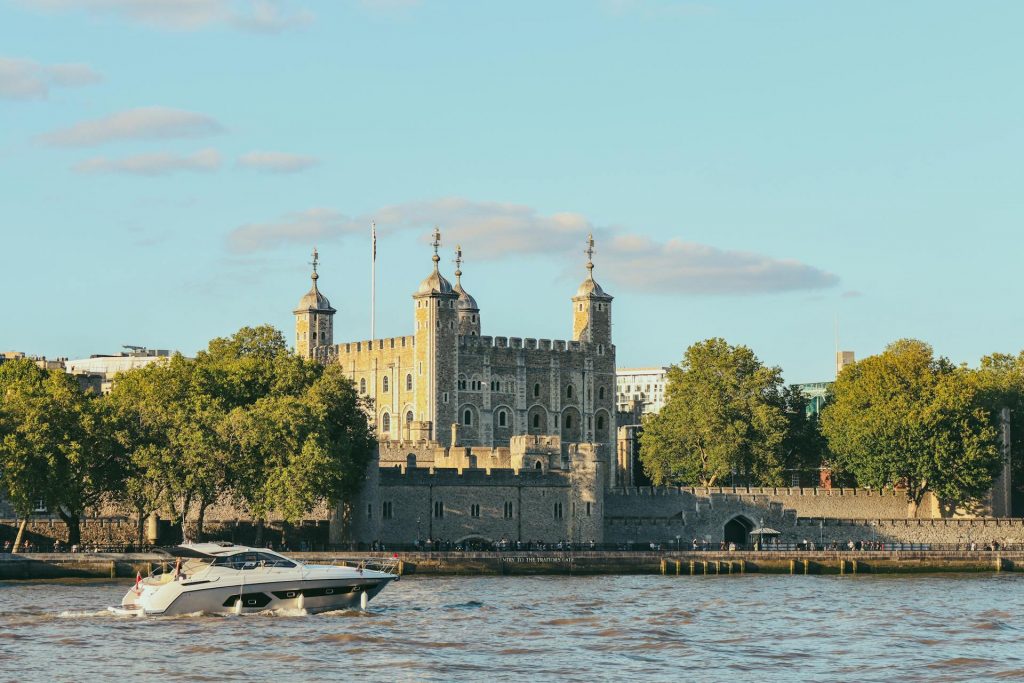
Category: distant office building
[640,389]
[843,359]
[103,368]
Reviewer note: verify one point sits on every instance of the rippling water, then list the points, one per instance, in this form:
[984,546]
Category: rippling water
[767,628]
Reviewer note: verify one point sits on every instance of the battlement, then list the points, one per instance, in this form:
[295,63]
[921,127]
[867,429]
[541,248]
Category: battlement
[485,341]
[369,345]
[750,491]
[439,476]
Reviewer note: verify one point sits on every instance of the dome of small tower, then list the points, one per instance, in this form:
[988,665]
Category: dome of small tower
[590,288]
[466,301]
[314,300]
[435,283]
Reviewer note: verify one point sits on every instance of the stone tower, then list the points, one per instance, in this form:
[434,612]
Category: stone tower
[314,318]
[436,351]
[469,312]
[592,307]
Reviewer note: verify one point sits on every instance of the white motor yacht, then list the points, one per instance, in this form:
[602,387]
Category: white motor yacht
[227,578]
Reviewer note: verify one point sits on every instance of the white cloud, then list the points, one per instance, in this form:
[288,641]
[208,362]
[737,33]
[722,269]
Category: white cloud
[144,123]
[24,79]
[690,268]
[277,162]
[153,164]
[187,15]
[492,230]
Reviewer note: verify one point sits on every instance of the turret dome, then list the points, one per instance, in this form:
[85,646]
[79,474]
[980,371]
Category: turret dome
[314,300]
[435,283]
[466,301]
[589,287]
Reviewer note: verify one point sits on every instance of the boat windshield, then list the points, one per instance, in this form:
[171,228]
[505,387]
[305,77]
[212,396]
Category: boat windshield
[252,560]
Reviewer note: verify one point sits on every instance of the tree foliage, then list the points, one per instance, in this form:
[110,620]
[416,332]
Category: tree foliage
[56,444]
[724,414]
[906,418]
[247,420]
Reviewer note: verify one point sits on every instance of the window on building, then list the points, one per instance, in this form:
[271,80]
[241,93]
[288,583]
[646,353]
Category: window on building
[536,421]
[385,384]
[474,510]
[385,423]
[462,384]
[502,418]
[558,510]
[568,391]
[600,393]
[538,466]
[588,509]
[386,511]
[600,421]
[40,506]
[438,509]
[508,509]
[408,382]
[362,385]
[536,390]
[369,510]
[556,422]
[590,422]
[444,397]
[408,418]
[467,417]
[568,421]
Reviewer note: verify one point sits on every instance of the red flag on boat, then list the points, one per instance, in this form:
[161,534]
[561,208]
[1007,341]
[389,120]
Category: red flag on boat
[138,583]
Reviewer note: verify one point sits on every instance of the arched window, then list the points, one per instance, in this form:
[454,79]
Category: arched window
[362,385]
[384,384]
[385,423]
[467,417]
[568,421]
[600,393]
[600,421]
[502,418]
[408,418]
[536,390]
[408,382]
[536,421]
[568,391]
[538,466]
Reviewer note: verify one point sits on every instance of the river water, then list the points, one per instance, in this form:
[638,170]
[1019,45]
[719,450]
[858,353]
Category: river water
[645,628]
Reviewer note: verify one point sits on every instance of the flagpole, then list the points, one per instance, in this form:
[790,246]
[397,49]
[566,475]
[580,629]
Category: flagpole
[373,279]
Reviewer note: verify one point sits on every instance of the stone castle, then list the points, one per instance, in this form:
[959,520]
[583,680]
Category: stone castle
[493,438]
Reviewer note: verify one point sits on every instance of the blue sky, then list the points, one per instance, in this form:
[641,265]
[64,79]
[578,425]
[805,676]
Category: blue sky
[750,170]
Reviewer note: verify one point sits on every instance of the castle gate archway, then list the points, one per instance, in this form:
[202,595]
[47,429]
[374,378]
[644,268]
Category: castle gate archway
[737,530]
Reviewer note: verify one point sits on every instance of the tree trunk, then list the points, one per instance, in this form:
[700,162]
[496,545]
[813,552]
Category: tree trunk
[184,516]
[259,533]
[21,534]
[74,524]
[140,528]
[200,533]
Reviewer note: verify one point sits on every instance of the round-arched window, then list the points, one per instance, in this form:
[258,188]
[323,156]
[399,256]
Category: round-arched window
[568,421]
[467,417]
[568,391]
[536,390]
[536,421]
[502,418]
[384,384]
[600,392]
[362,385]
[385,423]
[408,417]
[600,421]
[408,382]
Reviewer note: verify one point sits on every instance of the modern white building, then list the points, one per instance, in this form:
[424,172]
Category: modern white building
[642,387]
[109,366]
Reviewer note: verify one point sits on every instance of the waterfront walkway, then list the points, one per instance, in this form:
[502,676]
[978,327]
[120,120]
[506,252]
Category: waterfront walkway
[684,563]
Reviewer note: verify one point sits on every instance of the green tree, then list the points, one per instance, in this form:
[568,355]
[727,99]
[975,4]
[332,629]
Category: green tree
[723,415]
[906,418]
[56,444]
[1001,381]
[804,447]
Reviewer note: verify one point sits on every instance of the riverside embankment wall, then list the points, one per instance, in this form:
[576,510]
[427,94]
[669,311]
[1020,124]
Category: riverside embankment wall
[125,566]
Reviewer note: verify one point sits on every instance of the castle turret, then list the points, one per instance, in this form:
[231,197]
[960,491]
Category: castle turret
[591,307]
[468,311]
[314,318]
[436,351]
